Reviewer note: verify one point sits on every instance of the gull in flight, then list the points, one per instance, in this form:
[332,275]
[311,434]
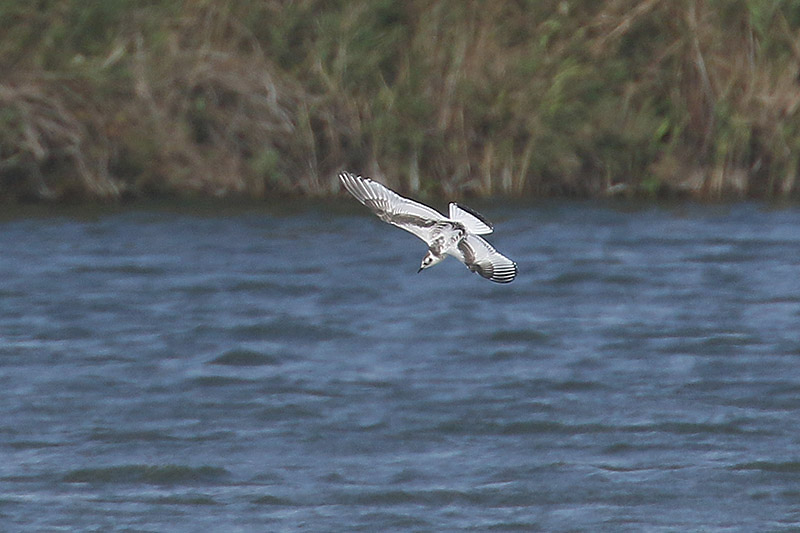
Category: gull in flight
[457,235]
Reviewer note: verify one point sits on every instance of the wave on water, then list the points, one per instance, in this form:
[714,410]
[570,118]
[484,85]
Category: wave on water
[239,357]
[785,467]
[156,475]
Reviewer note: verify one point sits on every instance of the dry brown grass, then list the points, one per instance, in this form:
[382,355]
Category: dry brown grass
[56,148]
[261,98]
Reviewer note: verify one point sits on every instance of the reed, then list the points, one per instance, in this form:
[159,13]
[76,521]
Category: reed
[261,98]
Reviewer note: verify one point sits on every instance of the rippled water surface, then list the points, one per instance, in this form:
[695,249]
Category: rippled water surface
[263,370]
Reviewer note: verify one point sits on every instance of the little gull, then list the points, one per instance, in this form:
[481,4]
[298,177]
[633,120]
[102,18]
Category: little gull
[456,235]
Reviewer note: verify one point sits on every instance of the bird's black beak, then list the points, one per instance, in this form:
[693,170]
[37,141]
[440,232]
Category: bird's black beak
[420,270]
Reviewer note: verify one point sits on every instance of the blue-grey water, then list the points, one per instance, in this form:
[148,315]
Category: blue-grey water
[268,369]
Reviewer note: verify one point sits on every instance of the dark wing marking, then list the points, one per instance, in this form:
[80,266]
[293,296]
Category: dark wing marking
[390,207]
[481,257]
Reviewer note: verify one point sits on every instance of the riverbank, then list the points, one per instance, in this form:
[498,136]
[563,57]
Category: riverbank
[112,100]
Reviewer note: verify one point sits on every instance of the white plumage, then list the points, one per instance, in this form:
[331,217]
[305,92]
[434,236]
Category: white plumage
[457,235]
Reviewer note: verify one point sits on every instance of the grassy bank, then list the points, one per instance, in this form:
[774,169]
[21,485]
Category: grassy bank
[106,99]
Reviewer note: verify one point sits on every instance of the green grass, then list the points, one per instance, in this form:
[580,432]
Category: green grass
[111,98]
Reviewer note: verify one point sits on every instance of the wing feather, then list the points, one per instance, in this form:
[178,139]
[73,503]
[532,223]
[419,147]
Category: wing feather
[481,257]
[390,207]
[472,220]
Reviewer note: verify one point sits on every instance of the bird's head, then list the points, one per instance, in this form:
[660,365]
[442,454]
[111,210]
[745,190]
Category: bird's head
[429,260]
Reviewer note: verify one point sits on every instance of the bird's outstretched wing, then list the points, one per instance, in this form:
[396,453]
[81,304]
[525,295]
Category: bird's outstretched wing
[391,207]
[472,220]
[481,257]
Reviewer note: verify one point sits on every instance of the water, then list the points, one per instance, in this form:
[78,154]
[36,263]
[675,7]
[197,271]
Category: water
[267,370]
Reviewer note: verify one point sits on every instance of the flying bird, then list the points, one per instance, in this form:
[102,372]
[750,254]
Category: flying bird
[457,235]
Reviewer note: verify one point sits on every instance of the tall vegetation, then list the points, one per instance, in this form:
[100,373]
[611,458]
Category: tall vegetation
[109,98]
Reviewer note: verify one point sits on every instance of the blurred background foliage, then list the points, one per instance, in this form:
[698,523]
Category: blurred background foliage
[107,99]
